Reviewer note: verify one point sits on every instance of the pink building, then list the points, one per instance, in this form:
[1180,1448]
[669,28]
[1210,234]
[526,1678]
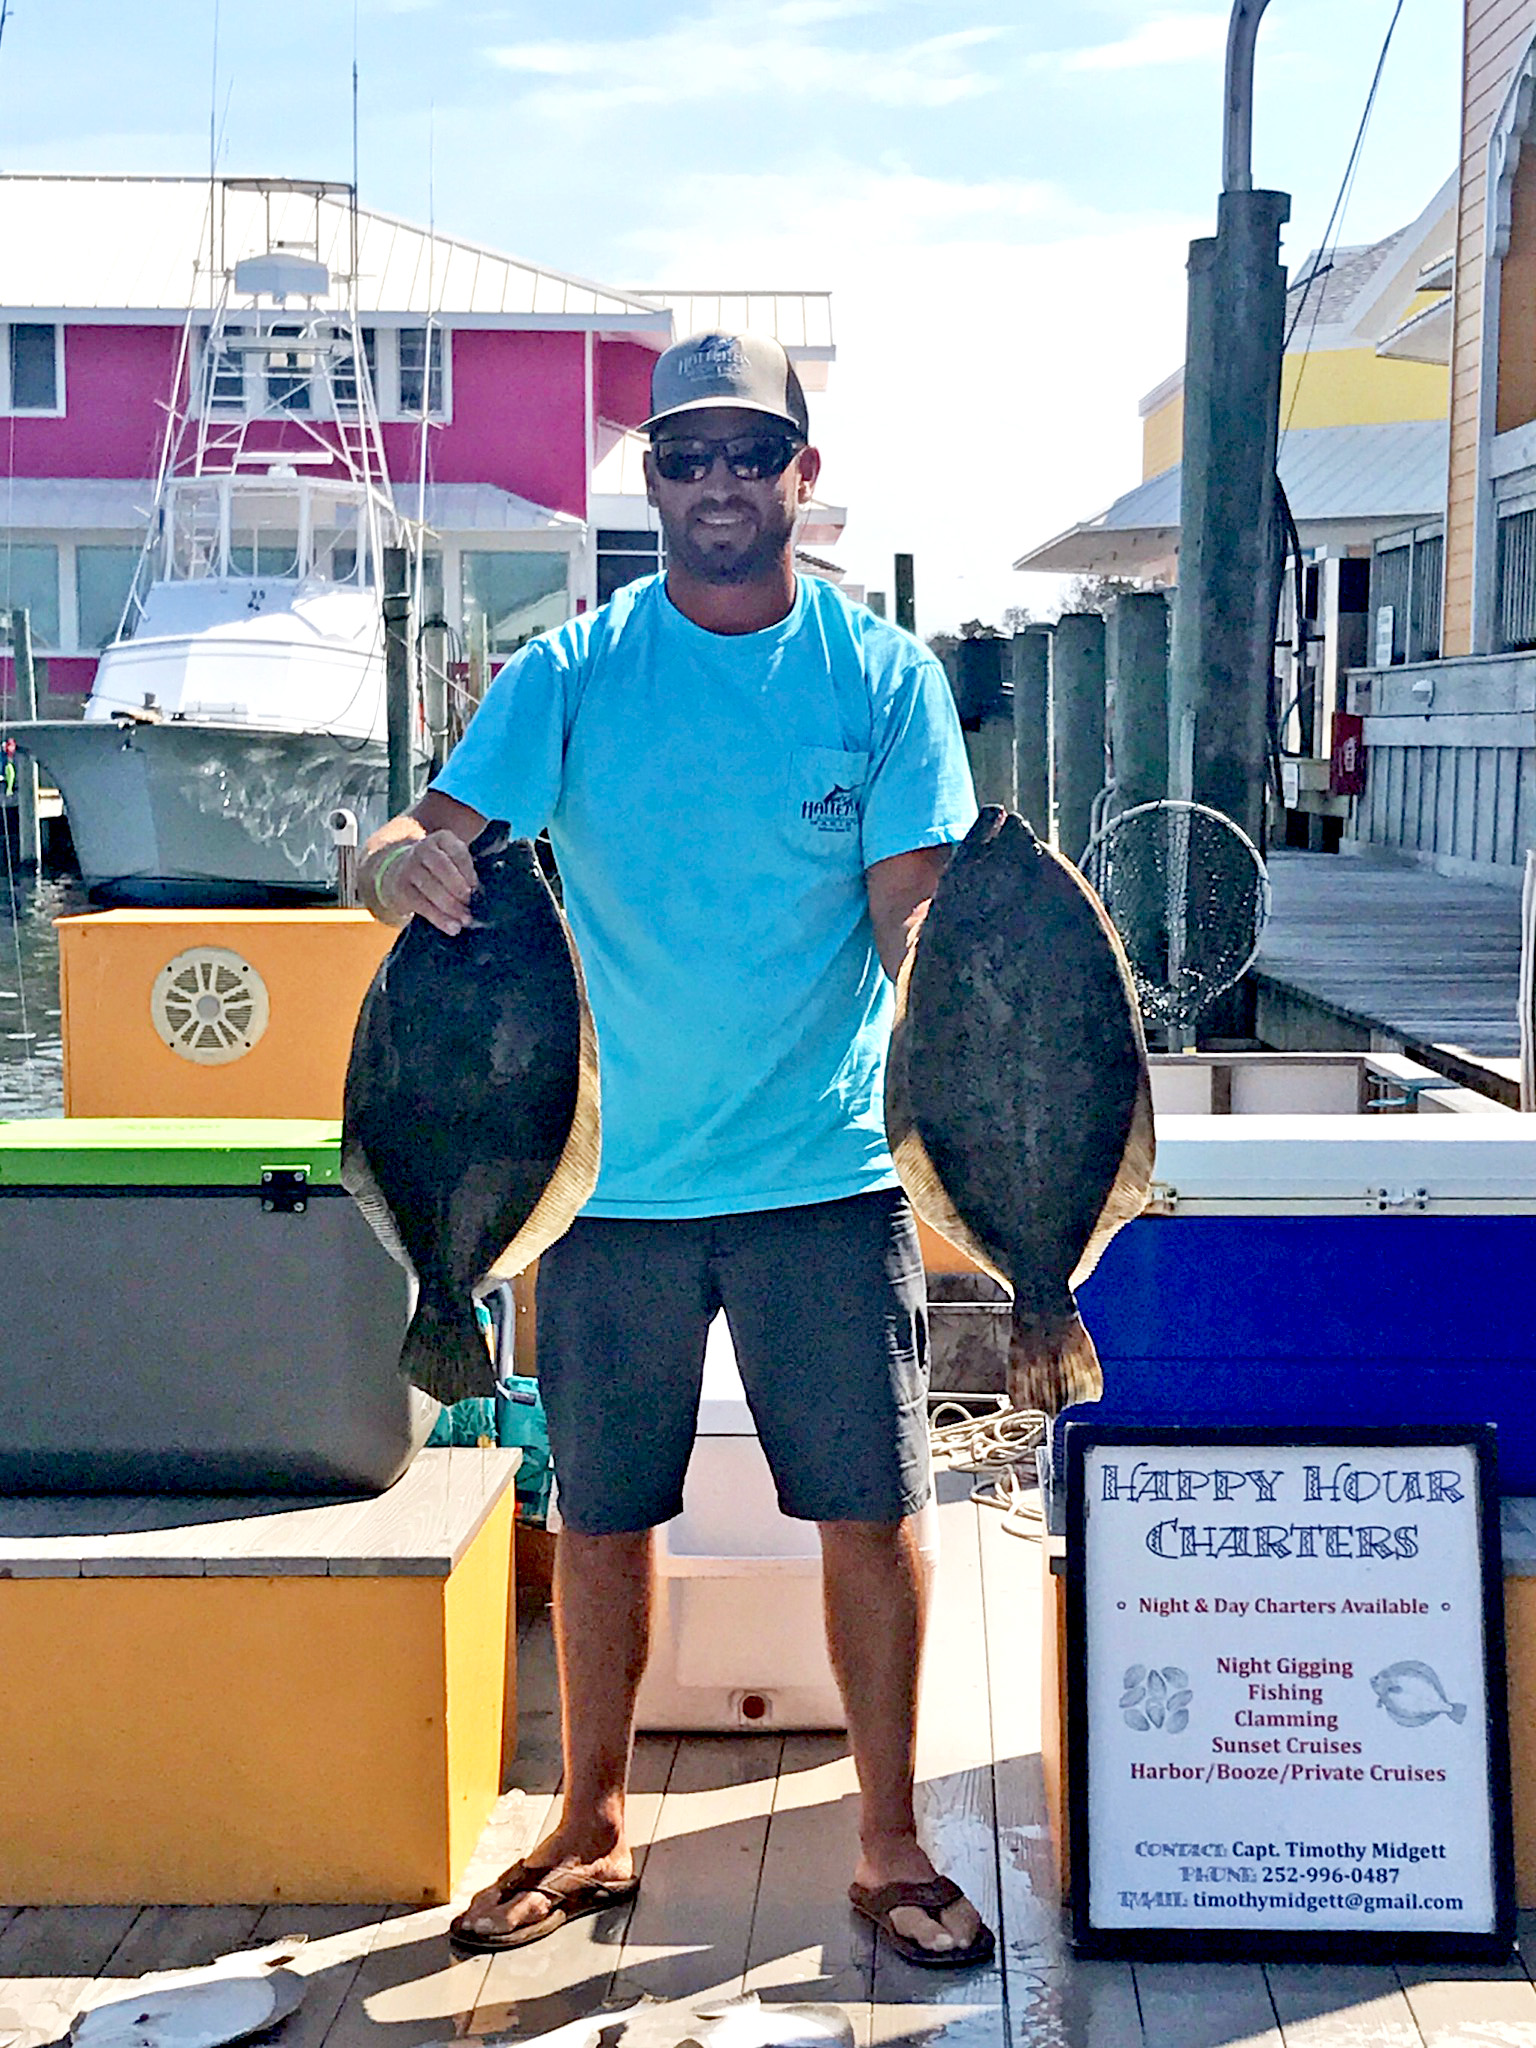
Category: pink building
[508,395]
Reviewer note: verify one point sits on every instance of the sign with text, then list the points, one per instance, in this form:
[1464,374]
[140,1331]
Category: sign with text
[1286,1715]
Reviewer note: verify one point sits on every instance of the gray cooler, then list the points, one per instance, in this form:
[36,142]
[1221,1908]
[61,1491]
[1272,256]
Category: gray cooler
[195,1306]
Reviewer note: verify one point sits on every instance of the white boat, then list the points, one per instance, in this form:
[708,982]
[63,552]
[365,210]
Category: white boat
[243,700]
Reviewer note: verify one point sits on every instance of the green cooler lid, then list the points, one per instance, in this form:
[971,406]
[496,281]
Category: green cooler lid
[165,1152]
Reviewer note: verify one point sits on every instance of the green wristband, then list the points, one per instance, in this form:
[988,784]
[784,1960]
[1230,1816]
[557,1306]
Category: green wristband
[376,879]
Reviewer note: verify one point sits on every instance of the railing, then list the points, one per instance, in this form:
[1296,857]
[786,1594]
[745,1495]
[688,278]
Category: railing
[1406,573]
[1517,580]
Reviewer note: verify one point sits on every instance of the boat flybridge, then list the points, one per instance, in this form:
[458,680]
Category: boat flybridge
[243,699]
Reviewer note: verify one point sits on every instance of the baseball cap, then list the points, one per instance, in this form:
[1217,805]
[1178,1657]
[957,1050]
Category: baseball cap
[745,370]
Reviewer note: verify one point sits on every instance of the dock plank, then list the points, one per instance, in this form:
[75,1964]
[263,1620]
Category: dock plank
[691,1931]
[1395,948]
[49,1958]
[806,1943]
[1471,2006]
[956,1809]
[1205,2005]
[335,1942]
[1341,2006]
[576,1970]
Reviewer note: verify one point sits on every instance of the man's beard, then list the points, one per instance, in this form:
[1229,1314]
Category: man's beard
[729,564]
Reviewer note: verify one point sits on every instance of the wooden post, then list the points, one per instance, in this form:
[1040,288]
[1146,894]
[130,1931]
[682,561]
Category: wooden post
[29,845]
[397,680]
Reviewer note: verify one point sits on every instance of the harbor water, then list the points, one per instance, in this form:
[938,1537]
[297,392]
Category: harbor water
[31,1044]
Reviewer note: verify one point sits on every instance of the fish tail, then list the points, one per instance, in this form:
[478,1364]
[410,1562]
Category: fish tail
[445,1353]
[1052,1362]
[1459,1714]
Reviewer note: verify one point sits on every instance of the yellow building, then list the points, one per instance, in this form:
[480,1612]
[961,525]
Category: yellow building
[1362,434]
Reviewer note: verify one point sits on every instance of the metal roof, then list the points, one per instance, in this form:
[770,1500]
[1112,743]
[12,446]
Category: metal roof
[1380,476]
[143,245]
[800,321]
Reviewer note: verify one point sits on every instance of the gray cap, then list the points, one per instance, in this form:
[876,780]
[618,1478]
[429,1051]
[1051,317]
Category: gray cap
[745,370]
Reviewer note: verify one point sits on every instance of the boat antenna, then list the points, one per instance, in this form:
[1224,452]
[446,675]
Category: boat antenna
[5,8]
[213,145]
[353,207]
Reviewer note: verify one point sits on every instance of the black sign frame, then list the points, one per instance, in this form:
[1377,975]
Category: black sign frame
[1260,1942]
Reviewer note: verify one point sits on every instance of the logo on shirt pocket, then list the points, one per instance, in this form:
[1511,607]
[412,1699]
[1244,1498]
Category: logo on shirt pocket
[826,787]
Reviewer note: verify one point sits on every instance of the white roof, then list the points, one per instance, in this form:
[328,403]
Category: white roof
[144,245]
[1370,479]
[801,322]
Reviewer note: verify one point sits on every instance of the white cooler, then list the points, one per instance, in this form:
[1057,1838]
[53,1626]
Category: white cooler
[738,1640]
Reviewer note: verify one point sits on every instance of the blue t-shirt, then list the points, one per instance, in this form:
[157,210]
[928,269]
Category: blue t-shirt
[713,801]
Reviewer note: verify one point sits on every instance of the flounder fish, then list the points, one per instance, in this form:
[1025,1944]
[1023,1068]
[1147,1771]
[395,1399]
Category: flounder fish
[1018,1103]
[1412,1694]
[470,1128]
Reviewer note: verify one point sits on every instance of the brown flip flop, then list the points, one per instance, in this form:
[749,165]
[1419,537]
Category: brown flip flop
[570,1902]
[931,1896]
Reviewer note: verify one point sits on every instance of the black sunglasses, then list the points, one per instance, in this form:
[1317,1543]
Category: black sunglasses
[751,458]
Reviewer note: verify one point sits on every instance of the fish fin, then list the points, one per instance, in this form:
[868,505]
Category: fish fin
[357,1177]
[1127,1196]
[1458,1714]
[575,1174]
[1052,1362]
[446,1355]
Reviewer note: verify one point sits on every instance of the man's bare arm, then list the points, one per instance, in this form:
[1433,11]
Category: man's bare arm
[434,876]
[900,890]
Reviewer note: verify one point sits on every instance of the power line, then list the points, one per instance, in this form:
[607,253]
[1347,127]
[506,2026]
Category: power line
[1322,266]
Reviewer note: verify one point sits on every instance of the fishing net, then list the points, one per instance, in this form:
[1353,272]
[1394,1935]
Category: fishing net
[1188,892]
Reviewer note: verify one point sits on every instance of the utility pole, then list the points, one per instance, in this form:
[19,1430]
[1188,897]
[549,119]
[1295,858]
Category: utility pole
[1223,617]
[906,601]
[29,840]
[397,679]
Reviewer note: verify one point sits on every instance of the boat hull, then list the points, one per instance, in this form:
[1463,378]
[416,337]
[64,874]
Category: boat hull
[182,813]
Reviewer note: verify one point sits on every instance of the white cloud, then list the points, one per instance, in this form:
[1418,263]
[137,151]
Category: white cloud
[736,47]
[1170,39]
[993,340]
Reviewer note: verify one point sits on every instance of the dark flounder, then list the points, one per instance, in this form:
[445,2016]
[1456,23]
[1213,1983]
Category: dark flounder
[1018,1104]
[470,1129]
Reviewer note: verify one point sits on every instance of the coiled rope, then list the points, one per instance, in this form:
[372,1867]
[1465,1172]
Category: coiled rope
[997,1445]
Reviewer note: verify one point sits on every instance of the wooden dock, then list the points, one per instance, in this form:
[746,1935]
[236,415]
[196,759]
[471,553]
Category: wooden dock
[747,1844]
[1372,954]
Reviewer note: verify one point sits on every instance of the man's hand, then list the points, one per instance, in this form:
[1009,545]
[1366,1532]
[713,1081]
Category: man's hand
[419,865]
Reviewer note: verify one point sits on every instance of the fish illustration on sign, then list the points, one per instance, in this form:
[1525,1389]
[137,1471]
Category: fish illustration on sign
[470,1125]
[1018,1103]
[1412,1694]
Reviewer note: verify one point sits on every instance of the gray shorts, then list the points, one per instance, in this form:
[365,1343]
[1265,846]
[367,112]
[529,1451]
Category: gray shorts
[827,1312]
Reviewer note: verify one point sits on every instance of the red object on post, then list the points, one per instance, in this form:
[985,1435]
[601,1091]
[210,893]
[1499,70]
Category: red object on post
[1346,766]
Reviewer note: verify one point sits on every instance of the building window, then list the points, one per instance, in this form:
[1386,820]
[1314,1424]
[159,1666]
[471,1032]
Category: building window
[103,579]
[624,555]
[32,378]
[412,342]
[29,580]
[226,372]
[344,370]
[288,374]
[515,594]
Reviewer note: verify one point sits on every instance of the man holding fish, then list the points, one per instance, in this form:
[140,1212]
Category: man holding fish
[751,787]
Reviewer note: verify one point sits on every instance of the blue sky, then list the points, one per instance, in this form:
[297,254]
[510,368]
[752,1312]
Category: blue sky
[999,196]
